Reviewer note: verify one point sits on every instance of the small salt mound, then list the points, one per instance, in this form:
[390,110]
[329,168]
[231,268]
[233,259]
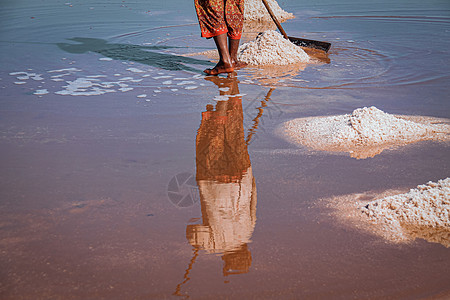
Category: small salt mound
[254,10]
[271,48]
[422,212]
[364,133]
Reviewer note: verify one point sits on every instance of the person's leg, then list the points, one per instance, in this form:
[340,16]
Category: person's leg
[234,18]
[225,64]
[233,49]
[211,18]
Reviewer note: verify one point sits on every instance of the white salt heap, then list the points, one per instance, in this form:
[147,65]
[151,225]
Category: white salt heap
[363,133]
[254,10]
[422,212]
[271,48]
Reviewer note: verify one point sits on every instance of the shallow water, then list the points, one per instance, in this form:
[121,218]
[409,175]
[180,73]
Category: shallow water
[102,119]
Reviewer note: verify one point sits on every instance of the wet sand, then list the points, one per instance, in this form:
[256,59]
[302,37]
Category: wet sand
[85,211]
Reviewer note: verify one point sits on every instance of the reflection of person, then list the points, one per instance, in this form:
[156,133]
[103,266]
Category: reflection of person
[226,184]
[219,19]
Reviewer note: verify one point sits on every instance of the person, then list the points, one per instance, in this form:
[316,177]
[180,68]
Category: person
[220,19]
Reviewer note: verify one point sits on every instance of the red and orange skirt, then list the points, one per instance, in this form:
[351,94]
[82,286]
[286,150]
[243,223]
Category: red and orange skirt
[220,16]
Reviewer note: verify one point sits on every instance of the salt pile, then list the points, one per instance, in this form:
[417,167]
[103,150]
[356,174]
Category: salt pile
[365,132]
[422,212]
[254,10]
[271,48]
[396,216]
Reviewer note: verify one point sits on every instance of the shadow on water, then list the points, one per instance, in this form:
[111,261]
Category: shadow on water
[127,52]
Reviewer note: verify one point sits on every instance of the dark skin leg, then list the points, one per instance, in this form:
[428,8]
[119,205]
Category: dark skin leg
[225,64]
[233,49]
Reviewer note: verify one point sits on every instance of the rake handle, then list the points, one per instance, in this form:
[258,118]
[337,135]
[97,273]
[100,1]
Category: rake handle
[275,19]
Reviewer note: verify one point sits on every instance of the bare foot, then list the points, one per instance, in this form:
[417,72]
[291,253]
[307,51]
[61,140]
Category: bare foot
[237,64]
[219,69]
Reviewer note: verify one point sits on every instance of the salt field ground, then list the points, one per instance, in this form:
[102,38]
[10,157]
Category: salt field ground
[128,174]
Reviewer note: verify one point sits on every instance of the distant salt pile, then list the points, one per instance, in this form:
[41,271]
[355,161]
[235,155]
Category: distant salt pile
[271,48]
[365,132]
[422,212]
[255,10]
[396,216]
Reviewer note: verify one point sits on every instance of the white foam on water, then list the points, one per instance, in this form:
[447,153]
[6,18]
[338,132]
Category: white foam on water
[142,96]
[36,77]
[105,58]
[186,82]
[27,75]
[65,70]
[86,87]
[41,92]
[60,75]
[91,85]
[135,70]
[96,76]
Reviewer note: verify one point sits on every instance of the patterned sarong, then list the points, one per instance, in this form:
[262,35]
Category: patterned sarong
[220,16]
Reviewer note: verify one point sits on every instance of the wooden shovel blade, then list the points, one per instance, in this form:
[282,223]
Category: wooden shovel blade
[310,43]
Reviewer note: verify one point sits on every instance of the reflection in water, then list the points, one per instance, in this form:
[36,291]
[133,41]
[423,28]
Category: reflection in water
[225,180]
[226,184]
